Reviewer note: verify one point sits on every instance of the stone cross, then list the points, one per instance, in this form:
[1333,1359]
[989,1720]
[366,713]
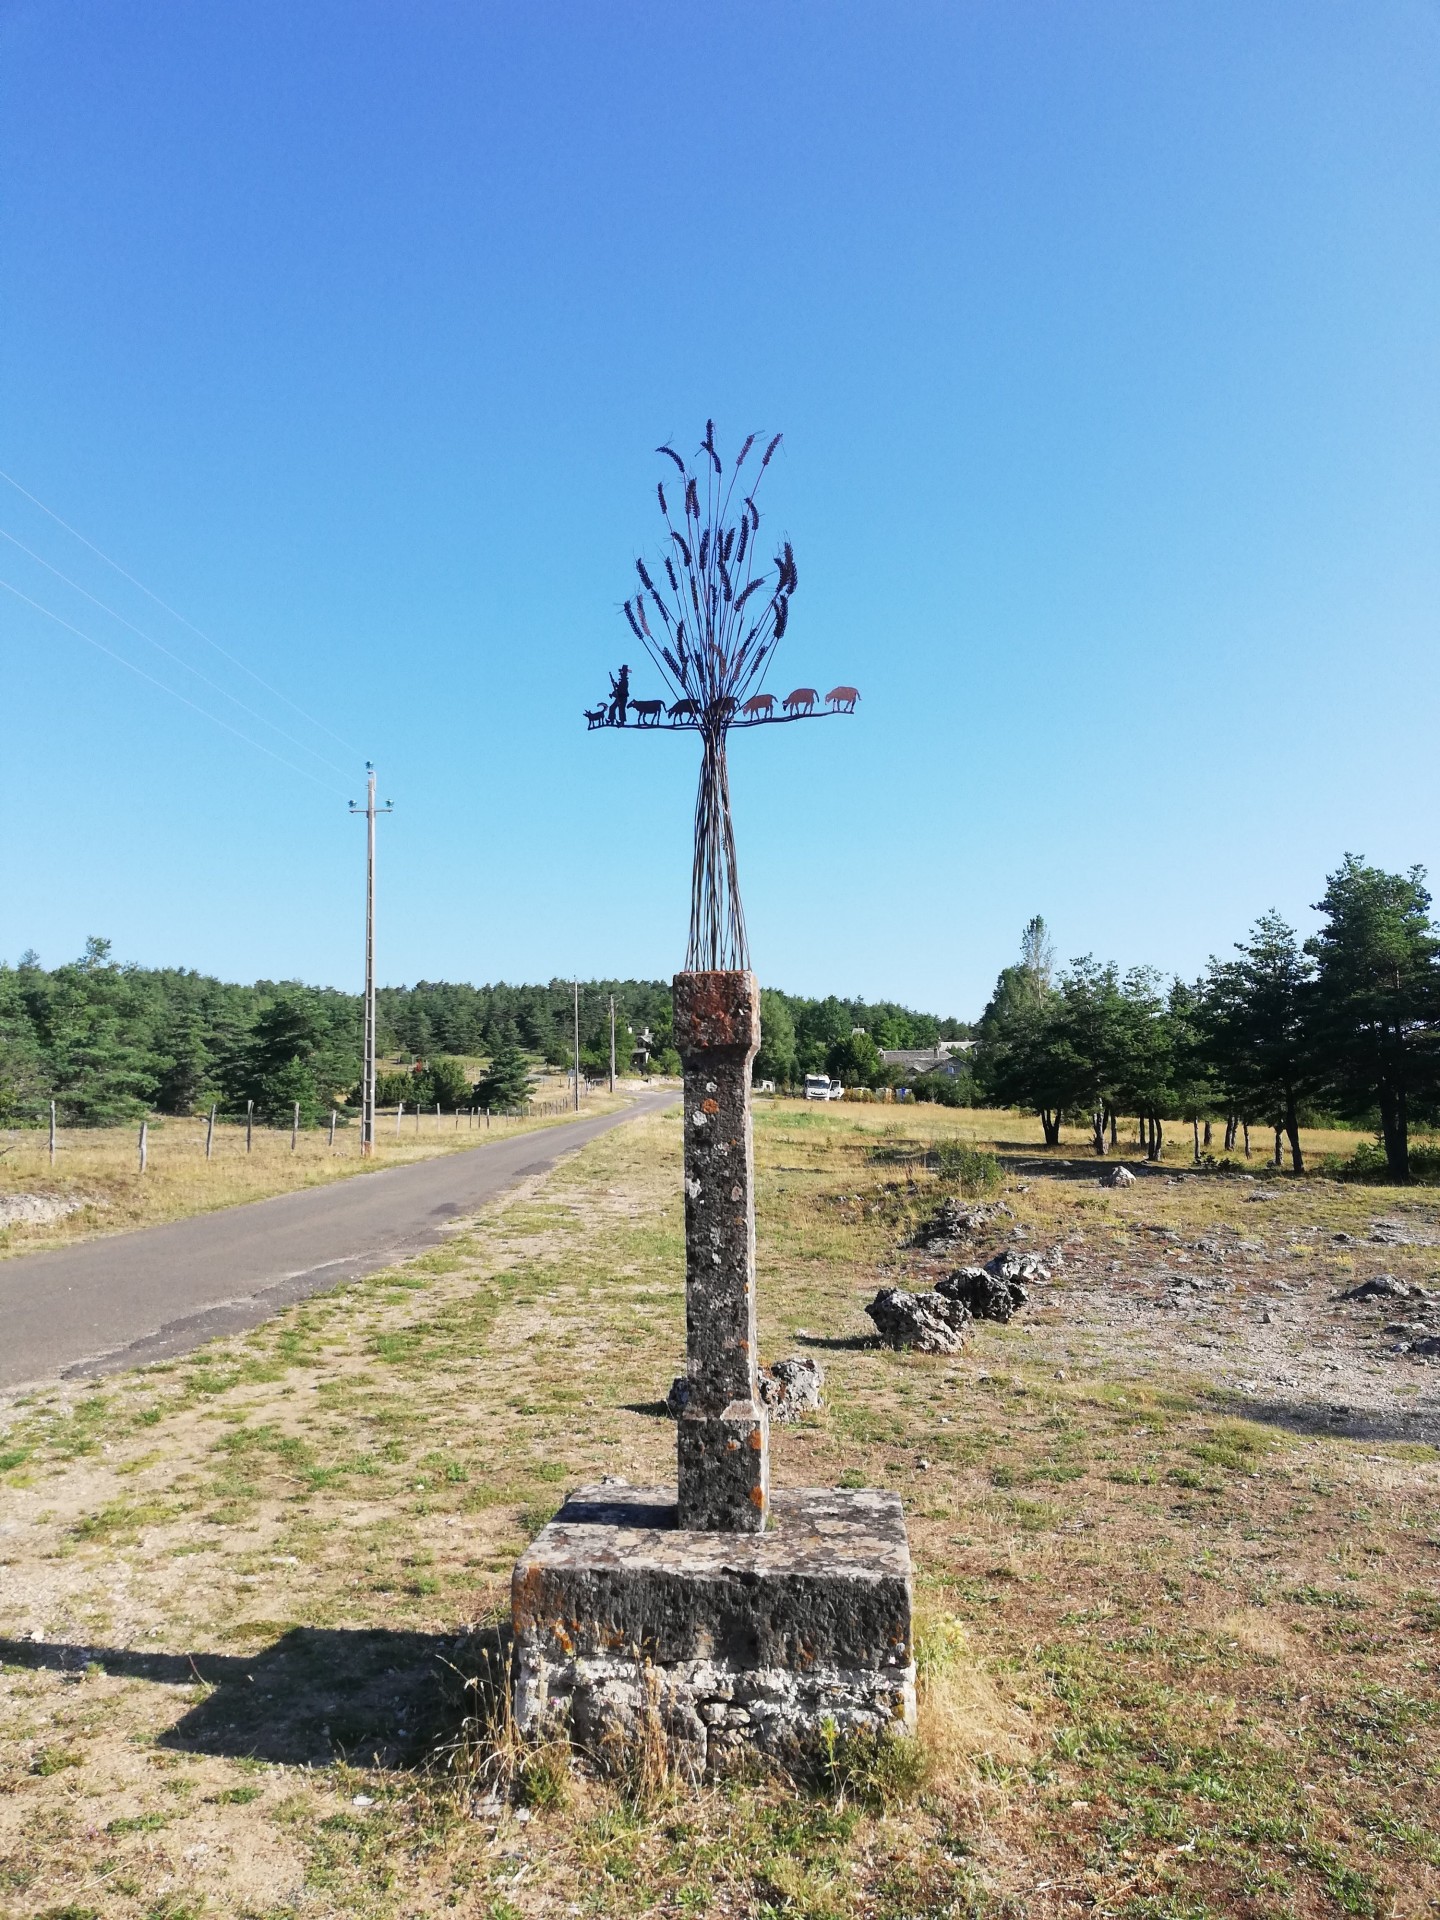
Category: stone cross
[723,1435]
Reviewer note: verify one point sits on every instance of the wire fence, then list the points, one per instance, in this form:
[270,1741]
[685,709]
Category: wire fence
[44,1130]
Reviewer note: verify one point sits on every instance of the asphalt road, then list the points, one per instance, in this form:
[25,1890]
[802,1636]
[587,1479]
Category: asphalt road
[135,1297]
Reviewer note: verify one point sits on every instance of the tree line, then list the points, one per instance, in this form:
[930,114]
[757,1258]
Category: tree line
[108,1042]
[1285,1032]
[1344,1025]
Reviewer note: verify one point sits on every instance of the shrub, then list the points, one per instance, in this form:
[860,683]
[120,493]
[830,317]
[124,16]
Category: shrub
[1368,1164]
[443,1082]
[973,1171]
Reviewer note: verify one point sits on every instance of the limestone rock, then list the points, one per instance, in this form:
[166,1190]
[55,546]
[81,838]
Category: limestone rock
[1380,1286]
[928,1322]
[1118,1177]
[1396,1233]
[792,1387]
[953,1221]
[788,1389]
[1014,1266]
[986,1295]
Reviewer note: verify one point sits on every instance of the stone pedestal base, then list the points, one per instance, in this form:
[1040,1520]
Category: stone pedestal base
[624,1623]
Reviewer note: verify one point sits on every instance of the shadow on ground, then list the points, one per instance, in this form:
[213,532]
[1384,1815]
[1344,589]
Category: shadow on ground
[1418,1424]
[317,1695]
[1091,1169]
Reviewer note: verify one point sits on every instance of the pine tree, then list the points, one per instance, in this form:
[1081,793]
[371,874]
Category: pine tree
[1377,1000]
[505,1085]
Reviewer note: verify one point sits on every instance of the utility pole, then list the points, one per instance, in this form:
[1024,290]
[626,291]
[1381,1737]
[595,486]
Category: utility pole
[577,1046]
[367,1097]
[612,1043]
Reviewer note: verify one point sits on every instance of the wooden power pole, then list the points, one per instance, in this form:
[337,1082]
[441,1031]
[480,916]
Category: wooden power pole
[577,1046]
[367,1096]
[612,1043]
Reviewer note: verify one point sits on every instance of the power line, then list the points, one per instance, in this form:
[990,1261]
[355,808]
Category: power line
[160,647]
[183,698]
[76,534]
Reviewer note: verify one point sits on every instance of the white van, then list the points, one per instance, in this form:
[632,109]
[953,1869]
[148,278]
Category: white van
[819,1086]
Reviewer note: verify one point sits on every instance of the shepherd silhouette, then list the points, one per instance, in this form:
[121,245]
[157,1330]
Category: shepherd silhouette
[620,688]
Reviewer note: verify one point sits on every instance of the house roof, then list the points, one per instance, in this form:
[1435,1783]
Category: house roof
[947,1056]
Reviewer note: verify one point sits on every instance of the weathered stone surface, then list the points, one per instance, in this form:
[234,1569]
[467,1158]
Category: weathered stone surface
[721,1438]
[1118,1177]
[623,1619]
[1380,1286]
[787,1390]
[987,1295]
[953,1220]
[929,1322]
[1398,1233]
[1022,1267]
[792,1387]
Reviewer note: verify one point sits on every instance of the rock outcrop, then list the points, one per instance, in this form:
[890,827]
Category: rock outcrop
[931,1322]
[788,1389]
[984,1293]
[952,1220]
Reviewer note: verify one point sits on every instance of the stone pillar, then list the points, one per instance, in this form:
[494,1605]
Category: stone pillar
[723,1439]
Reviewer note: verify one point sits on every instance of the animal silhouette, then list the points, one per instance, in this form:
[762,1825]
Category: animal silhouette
[724,709]
[647,712]
[759,703]
[684,710]
[802,700]
[842,699]
[595,716]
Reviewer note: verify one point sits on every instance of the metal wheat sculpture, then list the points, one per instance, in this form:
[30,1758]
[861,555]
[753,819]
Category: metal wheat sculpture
[710,614]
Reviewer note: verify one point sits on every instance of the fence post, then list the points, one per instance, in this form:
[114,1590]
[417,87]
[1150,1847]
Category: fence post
[332,1129]
[437,1116]
[398,1113]
[249,1124]
[487,1119]
[210,1133]
[295,1127]
[144,1142]
[52,1133]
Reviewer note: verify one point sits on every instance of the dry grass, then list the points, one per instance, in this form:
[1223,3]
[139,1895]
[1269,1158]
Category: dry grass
[96,1171]
[1176,1663]
[1021,1132]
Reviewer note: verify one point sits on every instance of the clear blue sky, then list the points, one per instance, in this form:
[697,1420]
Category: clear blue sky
[1104,341]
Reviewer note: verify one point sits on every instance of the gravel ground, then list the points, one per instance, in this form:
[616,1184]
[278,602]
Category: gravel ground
[1258,1312]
